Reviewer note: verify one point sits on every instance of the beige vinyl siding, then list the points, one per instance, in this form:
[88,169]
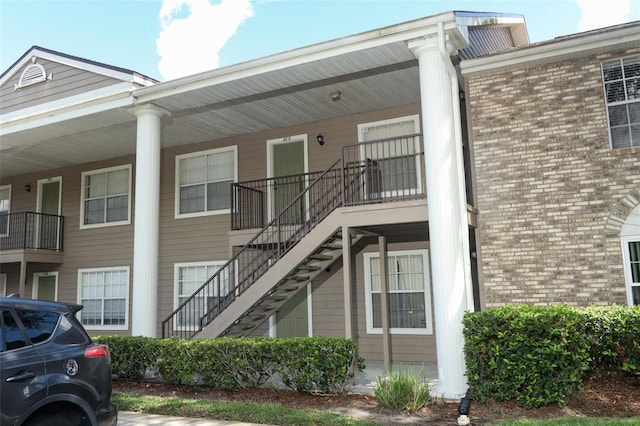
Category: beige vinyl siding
[328,303]
[405,348]
[110,246]
[205,238]
[67,81]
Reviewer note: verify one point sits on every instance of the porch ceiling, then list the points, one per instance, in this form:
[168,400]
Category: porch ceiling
[219,104]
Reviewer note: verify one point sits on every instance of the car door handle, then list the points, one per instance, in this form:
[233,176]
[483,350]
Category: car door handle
[25,375]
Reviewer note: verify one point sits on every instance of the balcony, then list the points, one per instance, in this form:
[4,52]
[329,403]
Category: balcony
[375,172]
[37,235]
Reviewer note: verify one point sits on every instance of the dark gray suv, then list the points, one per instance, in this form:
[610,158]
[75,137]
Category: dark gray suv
[52,373]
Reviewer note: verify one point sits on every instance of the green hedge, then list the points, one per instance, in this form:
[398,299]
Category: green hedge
[540,355]
[314,365]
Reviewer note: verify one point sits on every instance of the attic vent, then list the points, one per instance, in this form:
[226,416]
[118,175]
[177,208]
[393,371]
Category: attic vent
[34,73]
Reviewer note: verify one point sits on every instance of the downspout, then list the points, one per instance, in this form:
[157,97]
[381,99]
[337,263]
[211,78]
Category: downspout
[462,196]
[463,408]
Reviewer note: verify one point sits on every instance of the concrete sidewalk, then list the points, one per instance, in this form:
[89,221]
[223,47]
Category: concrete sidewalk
[127,418]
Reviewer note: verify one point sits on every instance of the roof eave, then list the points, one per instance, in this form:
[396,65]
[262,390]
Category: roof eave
[566,47]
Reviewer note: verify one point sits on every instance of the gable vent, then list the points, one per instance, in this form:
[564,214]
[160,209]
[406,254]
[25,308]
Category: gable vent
[34,73]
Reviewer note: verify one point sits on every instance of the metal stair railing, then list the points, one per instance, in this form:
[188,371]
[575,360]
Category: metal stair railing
[323,195]
[384,170]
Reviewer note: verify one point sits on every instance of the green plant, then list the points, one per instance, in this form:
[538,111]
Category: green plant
[403,390]
[615,337]
[535,355]
[318,365]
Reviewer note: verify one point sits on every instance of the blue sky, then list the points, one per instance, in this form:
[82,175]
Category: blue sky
[165,39]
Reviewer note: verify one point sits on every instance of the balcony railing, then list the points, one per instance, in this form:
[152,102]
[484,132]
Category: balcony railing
[30,230]
[372,172]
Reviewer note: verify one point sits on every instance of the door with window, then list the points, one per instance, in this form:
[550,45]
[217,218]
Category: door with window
[390,157]
[49,200]
[289,180]
[45,286]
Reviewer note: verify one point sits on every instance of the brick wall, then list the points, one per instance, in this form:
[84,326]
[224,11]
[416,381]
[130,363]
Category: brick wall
[549,189]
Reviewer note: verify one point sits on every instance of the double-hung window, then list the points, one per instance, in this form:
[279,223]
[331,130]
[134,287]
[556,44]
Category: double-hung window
[104,293]
[106,197]
[5,203]
[408,292]
[622,90]
[203,182]
[188,278]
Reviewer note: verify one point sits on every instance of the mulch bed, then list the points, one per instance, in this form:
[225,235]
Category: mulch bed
[605,394]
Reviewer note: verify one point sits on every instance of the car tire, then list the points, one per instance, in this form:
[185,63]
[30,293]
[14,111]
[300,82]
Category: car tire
[62,419]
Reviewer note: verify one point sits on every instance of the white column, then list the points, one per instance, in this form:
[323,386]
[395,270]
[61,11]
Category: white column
[144,312]
[448,229]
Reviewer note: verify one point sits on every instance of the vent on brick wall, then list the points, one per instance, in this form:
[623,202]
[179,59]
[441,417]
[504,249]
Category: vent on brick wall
[32,74]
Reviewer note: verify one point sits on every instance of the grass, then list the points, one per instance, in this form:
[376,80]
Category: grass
[276,414]
[267,413]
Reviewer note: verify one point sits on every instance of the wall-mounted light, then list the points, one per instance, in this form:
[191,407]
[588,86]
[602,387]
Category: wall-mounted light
[320,139]
[336,95]
[27,188]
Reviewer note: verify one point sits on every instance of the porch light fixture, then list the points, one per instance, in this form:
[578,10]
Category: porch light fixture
[27,188]
[336,95]
[320,139]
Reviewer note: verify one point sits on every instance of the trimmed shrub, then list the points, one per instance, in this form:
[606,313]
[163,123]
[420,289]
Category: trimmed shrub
[615,337]
[535,355]
[318,365]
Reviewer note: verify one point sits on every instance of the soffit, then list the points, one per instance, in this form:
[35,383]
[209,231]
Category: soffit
[373,79]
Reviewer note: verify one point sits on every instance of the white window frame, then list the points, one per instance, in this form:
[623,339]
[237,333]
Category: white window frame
[178,215]
[635,144]
[3,284]
[627,266]
[127,221]
[176,295]
[36,283]
[417,146]
[427,293]
[3,187]
[124,269]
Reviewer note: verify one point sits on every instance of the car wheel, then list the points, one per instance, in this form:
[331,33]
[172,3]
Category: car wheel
[61,419]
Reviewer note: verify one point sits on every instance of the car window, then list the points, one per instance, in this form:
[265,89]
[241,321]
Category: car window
[39,325]
[13,336]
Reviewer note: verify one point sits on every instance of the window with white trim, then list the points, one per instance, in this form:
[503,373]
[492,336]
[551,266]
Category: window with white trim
[3,285]
[622,91]
[409,292]
[5,209]
[203,181]
[188,277]
[106,197]
[104,293]
[631,247]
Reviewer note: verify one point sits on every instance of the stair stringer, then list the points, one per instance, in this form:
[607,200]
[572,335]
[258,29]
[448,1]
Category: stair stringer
[276,273]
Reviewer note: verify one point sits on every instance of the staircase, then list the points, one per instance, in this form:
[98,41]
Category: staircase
[312,264]
[307,233]
[258,266]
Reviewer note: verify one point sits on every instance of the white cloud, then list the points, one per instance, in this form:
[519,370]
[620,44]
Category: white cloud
[194,31]
[603,13]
